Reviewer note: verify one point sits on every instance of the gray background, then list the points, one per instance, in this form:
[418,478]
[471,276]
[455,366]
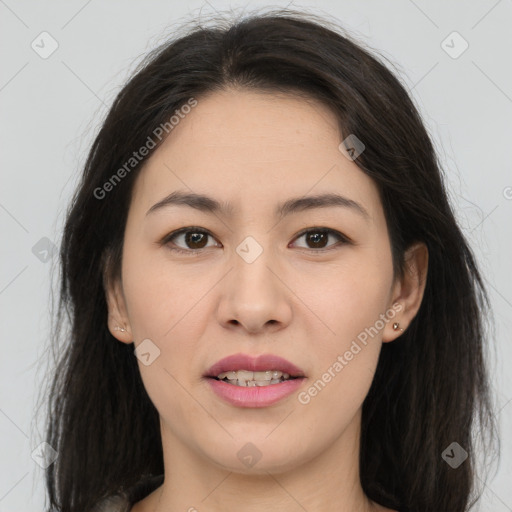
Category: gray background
[51,107]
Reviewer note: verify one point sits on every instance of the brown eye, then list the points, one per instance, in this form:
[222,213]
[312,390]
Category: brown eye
[317,238]
[188,240]
[197,240]
[192,241]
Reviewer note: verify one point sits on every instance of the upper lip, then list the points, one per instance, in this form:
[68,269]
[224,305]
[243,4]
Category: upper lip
[255,364]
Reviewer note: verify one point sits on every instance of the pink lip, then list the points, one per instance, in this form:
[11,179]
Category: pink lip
[254,396]
[254,364]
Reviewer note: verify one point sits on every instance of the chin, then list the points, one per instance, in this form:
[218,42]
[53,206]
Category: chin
[256,458]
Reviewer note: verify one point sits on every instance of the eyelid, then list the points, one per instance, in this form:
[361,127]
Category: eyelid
[168,238]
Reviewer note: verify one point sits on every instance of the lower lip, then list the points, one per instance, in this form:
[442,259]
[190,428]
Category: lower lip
[254,396]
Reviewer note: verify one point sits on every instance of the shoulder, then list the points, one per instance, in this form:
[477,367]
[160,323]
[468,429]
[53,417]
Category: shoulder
[113,504]
[123,501]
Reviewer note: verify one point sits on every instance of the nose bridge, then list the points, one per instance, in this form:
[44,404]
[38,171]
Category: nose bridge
[252,262]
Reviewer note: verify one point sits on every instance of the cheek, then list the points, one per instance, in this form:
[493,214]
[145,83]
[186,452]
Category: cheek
[347,339]
[347,296]
[345,355]
[160,298]
[163,307]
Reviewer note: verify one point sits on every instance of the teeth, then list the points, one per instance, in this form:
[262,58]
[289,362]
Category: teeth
[247,376]
[254,383]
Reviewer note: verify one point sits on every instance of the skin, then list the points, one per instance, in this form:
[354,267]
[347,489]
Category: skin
[243,146]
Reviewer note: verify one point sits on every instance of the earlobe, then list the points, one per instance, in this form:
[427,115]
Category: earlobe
[409,290]
[118,323]
[396,327]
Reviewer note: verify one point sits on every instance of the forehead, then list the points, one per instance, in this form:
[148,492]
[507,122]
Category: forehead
[250,120]
[242,146]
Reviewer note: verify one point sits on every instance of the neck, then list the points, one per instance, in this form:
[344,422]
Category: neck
[328,482]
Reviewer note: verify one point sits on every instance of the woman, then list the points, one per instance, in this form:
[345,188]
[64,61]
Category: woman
[272,305]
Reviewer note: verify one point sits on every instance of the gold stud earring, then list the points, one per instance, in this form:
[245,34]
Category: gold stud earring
[396,327]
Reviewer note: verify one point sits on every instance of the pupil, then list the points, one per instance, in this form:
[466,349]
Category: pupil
[316,238]
[194,238]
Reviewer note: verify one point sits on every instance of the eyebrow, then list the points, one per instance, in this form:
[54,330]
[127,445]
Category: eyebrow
[299,204]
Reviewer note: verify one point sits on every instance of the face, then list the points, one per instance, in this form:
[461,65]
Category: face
[313,285]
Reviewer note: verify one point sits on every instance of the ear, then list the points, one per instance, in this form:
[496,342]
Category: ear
[408,290]
[117,311]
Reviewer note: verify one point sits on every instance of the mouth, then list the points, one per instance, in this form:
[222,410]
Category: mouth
[246,371]
[254,382]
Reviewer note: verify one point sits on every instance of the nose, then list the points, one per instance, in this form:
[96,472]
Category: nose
[255,297]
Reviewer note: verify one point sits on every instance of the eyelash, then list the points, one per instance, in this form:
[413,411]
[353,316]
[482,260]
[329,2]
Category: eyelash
[196,252]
